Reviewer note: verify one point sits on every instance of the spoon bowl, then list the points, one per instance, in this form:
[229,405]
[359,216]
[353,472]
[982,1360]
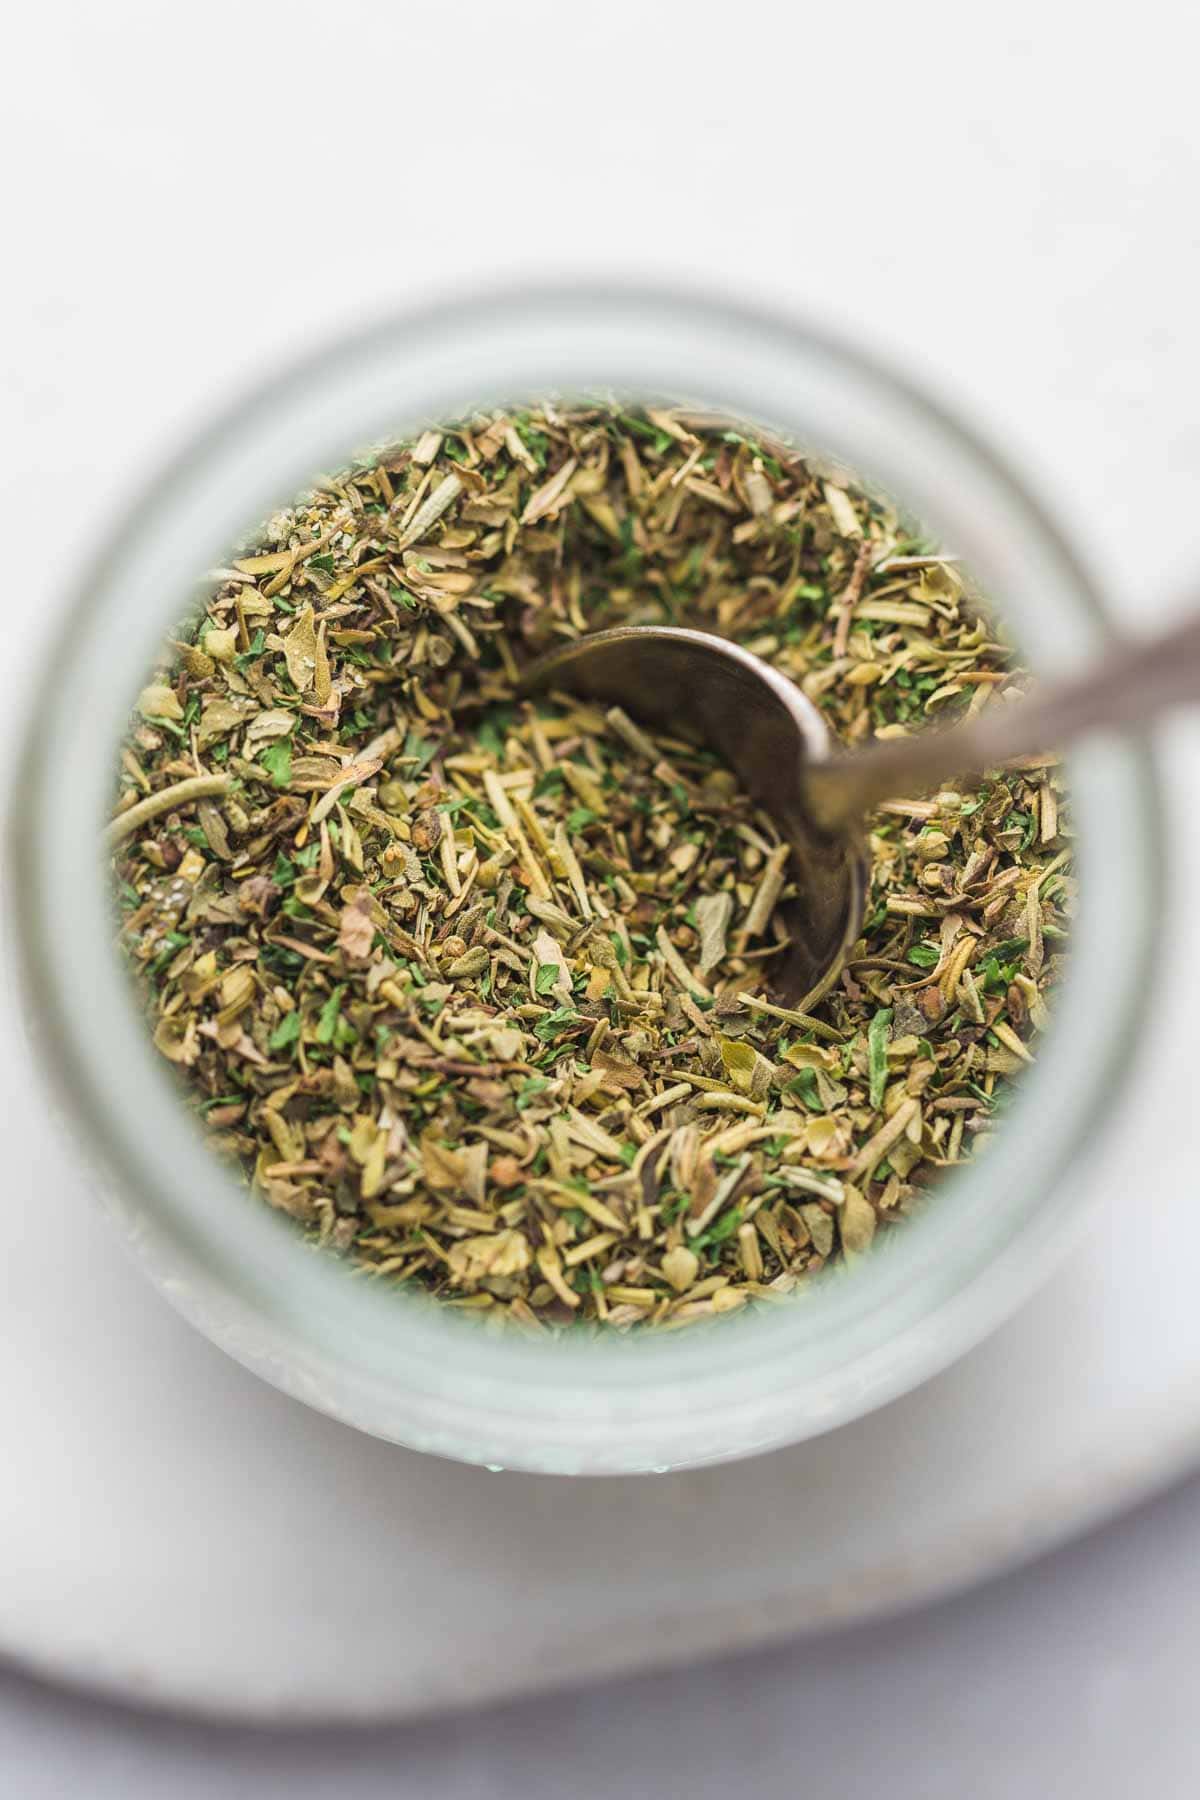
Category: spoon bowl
[771,735]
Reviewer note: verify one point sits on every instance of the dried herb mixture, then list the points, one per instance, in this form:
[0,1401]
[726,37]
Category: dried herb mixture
[478,990]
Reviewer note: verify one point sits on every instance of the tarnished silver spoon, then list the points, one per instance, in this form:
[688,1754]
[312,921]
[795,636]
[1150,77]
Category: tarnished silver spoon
[776,740]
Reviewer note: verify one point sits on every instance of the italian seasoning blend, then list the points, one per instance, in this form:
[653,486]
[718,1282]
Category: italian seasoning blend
[478,991]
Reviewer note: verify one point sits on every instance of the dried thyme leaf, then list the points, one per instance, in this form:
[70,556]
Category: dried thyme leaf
[877,1065]
[714,914]
[300,650]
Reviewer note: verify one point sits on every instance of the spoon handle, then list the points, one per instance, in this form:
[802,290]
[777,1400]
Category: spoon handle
[1128,685]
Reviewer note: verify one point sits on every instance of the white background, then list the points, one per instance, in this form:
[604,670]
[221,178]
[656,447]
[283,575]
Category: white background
[1003,201]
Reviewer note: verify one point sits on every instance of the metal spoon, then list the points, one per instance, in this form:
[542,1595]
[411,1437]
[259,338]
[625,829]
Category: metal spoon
[776,740]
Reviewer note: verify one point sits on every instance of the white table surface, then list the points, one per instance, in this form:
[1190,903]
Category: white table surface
[1001,200]
[1074,1678]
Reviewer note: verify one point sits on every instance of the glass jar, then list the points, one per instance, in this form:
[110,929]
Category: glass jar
[398,1365]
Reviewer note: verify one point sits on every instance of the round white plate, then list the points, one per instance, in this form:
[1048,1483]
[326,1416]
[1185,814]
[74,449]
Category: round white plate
[173,1530]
